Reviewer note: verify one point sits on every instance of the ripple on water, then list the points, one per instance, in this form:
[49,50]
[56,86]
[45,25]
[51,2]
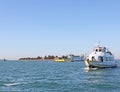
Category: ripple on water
[56,77]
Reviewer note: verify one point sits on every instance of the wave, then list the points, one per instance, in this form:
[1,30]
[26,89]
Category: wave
[11,84]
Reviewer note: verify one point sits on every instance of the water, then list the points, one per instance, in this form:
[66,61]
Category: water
[18,76]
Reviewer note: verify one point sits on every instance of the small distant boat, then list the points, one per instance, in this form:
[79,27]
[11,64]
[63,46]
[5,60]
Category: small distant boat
[101,57]
[59,60]
[74,58]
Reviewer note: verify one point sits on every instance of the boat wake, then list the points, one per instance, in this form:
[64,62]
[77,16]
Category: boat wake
[88,69]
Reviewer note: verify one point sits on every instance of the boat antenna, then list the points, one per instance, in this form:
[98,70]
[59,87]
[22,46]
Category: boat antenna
[98,44]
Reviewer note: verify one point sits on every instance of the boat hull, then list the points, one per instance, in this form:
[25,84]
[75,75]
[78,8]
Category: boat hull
[59,60]
[97,64]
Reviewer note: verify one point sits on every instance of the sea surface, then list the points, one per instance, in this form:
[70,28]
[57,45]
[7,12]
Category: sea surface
[49,76]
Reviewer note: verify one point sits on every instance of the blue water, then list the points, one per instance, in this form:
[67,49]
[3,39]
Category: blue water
[19,76]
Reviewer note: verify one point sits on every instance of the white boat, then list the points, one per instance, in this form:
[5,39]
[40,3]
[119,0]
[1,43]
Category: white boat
[101,57]
[74,58]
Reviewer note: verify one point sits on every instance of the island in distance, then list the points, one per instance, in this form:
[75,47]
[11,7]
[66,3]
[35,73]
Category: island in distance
[64,58]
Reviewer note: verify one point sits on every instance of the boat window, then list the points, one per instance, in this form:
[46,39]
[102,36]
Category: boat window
[96,50]
[93,58]
[100,50]
[107,58]
[101,58]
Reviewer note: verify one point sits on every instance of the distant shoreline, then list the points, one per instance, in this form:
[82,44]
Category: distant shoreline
[49,57]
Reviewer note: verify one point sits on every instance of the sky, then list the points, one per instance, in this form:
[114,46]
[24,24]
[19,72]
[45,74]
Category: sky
[31,28]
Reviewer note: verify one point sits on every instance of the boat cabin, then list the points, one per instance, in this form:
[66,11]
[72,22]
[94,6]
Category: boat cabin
[99,49]
[101,54]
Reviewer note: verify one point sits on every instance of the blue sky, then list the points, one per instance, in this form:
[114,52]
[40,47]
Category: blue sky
[57,27]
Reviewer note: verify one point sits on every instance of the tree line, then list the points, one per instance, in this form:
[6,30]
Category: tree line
[49,57]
